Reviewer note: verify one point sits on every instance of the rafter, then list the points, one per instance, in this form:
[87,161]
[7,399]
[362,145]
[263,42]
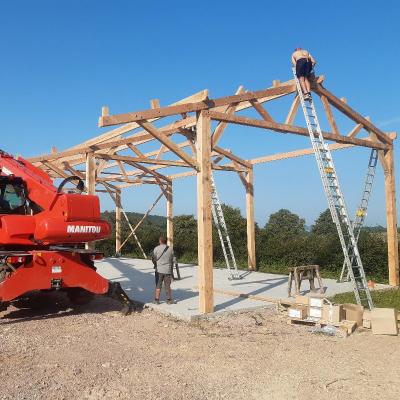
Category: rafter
[283,128]
[168,143]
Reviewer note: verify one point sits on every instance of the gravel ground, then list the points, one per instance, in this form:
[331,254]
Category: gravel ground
[94,352]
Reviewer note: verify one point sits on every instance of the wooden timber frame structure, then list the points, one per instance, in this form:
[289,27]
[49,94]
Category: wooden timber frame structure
[114,160]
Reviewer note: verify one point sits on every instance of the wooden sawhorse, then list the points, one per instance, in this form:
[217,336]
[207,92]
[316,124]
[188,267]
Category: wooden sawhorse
[298,274]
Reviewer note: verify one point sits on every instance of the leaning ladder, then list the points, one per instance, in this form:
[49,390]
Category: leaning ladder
[361,211]
[219,221]
[336,202]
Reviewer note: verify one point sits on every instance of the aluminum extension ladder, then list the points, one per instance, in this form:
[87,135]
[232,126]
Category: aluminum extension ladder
[219,221]
[336,202]
[361,211]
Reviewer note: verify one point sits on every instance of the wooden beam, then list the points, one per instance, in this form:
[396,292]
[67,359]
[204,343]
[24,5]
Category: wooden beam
[105,111]
[114,198]
[145,215]
[170,215]
[155,103]
[354,132]
[261,110]
[138,138]
[199,96]
[391,219]
[204,226]
[90,183]
[251,234]
[269,299]
[118,223]
[58,171]
[190,107]
[352,114]
[144,160]
[329,115]
[232,157]
[168,142]
[283,128]
[293,154]
[293,111]
[219,129]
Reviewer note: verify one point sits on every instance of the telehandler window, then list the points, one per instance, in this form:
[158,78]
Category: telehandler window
[12,198]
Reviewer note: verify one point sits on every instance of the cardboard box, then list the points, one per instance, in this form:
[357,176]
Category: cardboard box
[333,313]
[316,301]
[354,312]
[298,312]
[302,300]
[315,312]
[384,321]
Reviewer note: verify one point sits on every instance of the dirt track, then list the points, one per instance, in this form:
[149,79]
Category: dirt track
[58,353]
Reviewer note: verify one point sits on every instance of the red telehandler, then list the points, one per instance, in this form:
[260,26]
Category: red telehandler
[42,233]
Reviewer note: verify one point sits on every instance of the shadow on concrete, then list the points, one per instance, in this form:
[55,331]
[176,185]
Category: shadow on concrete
[139,285]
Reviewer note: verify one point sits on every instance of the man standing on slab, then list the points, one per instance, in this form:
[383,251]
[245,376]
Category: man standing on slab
[162,258]
[304,63]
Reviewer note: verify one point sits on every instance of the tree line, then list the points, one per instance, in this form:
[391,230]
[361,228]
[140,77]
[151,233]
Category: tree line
[284,241]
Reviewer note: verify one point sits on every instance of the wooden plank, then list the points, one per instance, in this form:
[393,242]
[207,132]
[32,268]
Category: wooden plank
[352,114]
[204,227]
[168,142]
[269,299]
[251,233]
[293,111]
[170,215]
[329,115]
[283,128]
[189,107]
[391,219]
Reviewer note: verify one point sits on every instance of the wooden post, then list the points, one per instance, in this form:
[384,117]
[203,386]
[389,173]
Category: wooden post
[170,215]
[391,219]
[117,223]
[251,234]
[90,183]
[204,227]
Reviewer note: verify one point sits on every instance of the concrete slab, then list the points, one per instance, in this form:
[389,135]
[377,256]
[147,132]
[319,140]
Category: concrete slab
[137,278]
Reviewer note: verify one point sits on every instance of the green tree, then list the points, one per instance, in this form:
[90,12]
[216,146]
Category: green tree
[284,225]
[185,238]
[324,224]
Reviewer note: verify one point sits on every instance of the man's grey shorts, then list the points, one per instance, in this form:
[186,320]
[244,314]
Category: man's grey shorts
[160,278]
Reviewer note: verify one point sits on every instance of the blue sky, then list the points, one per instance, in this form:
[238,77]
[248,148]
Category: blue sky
[63,60]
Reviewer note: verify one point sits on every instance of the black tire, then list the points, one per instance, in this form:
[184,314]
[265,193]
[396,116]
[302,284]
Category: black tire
[4,305]
[79,296]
